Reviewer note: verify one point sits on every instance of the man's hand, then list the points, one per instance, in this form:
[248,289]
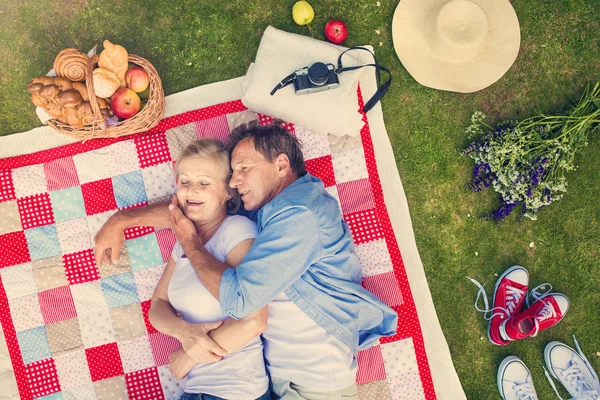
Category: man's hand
[197,344]
[180,364]
[109,240]
[183,228]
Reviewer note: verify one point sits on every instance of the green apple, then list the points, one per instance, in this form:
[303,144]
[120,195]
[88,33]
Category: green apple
[145,94]
[302,13]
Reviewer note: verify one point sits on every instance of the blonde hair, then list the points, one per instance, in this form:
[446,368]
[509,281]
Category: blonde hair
[215,150]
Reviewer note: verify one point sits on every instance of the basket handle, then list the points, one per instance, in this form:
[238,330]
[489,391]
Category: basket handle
[89,82]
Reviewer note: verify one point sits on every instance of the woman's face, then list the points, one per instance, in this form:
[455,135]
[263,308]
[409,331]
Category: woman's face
[201,190]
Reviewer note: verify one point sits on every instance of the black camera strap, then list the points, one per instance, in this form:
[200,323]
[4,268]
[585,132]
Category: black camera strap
[378,68]
[340,68]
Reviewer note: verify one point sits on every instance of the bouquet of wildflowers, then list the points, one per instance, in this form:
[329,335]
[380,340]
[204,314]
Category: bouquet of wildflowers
[526,161]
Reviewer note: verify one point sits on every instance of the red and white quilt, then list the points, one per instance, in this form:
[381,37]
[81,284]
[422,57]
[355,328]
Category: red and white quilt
[78,331]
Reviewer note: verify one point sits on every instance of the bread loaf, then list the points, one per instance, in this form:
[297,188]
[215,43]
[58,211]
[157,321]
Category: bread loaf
[105,83]
[115,59]
[71,64]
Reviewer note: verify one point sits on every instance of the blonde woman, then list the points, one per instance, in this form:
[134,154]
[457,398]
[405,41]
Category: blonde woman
[182,307]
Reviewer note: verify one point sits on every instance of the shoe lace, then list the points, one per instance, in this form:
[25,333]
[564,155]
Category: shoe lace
[546,312]
[513,297]
[536,294]
[525,391]
[573,375]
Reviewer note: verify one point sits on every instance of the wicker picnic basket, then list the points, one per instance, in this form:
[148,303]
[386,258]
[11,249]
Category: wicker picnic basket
[144,120]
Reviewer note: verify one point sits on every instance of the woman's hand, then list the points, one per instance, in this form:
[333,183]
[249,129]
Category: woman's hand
[183,228]
[196,343]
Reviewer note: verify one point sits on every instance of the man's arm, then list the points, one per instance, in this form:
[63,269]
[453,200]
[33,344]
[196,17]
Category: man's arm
[109,239]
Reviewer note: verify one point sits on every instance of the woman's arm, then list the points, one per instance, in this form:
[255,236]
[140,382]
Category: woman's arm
[193,337]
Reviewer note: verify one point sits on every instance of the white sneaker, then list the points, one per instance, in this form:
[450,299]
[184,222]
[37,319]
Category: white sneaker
[514,380]
[573,370]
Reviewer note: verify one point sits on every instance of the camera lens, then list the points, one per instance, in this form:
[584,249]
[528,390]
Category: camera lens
[318,73]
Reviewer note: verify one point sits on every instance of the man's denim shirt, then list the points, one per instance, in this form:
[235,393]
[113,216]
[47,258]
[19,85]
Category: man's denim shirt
[304,248]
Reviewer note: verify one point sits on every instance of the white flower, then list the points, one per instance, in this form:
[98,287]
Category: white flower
[532,244]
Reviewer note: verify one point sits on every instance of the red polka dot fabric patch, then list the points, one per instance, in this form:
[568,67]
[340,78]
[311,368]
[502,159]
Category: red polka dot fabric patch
[81,267]
[144,385]
[35,210]
[42,377]
[364,226]
[145,308]
[7,189]
[98,196]
[152,149]
[137,231]
[322,168]
[104,361]
[14,249]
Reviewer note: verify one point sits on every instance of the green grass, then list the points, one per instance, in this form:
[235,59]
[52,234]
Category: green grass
[193,43]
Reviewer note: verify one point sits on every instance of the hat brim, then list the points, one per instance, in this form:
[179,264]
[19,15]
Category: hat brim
[499,51]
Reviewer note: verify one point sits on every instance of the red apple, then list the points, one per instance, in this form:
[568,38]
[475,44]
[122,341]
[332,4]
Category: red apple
[125,103]
[336,31]
[137,79]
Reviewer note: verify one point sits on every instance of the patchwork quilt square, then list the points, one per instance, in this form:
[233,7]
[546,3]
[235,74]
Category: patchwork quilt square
[136,354]
[29,180]
[322,168]
[145,308]
[216,127]
[111,389]
[399,357]
[26,313]
[18,281]
[35,210]
[73,371]
[57,304]
[166,241]
[349,165]
[64,336]
[98,196]
[365,226]
[162,345]
[74,236]
[159,182]
[129,189]
[374,258]
[172,388]
[43,242]
[144,385]
[356,196]
[96,221]
[120,290]
[146,279]
[88,299]
[61,174]
[15,249]
[79,392]
[179,137]
[406,387]
[96,329]
[33,344]
[104,361]
[93,165]
[314,144]
[144,252]
[10,220]
[370,365]
[152,149]
[7,187]
[80,267]
[122,266]
[49,273]
[67,204]
[128,322]
[384,286]
[42,377]
[122,157]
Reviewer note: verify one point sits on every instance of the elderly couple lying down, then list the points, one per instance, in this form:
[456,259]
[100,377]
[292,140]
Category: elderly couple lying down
[263,287]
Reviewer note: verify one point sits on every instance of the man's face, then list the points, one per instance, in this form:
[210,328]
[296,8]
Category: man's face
[255,178]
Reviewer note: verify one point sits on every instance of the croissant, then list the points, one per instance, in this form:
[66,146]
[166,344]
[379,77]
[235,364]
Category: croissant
[115,59]
[71,64]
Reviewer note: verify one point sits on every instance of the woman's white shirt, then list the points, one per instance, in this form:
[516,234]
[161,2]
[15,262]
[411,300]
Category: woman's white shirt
[240,375]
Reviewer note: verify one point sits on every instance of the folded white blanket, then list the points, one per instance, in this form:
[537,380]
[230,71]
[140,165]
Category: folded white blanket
[281,53]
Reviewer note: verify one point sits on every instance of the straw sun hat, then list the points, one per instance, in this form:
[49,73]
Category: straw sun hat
[456,45]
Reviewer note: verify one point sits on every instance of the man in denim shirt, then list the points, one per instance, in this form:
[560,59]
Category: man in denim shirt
[302,264]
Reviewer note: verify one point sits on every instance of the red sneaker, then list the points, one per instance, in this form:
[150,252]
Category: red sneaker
[544,313]
[509,295]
